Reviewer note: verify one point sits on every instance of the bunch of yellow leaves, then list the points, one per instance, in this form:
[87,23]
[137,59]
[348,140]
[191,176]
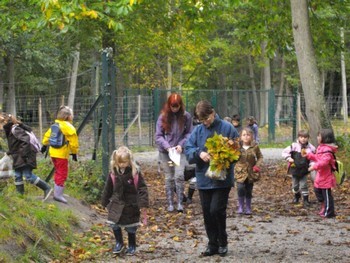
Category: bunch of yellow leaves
[223,152]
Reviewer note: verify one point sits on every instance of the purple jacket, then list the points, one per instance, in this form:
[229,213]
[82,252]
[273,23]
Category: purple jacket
[176,136]
[324,161]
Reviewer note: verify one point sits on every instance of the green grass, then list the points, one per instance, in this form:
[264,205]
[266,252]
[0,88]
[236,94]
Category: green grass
[31,228]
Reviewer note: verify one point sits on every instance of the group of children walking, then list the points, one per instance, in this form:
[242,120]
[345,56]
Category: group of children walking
[23,147]
[125,193]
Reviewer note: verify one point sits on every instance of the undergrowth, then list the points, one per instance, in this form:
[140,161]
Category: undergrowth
[32,231]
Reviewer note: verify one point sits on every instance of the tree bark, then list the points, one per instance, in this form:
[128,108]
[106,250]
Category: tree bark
[2,81]
[315,105]
[253,85]
[11,105]
[266,87]
[343,80]
[280,91]
[74,76]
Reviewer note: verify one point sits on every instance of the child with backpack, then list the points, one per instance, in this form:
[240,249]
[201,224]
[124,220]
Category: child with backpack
[324,164]
[23,153]
[298,166]
[63,141]
[124,194]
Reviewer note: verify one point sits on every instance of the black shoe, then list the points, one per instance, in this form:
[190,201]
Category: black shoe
[222,251]
[296,198]
[130,251]
[118,248]
[209,252]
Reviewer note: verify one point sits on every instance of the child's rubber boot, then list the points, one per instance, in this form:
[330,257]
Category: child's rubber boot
[119,245]
[131,244]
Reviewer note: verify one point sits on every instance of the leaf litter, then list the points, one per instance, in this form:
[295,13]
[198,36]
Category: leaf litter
[277,231]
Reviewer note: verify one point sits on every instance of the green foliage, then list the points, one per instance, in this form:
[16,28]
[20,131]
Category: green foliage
[32,230]
[3,144]
[343,154]
[85,180]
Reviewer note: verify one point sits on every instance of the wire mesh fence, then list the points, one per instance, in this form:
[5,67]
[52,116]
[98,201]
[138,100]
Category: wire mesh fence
[136,112]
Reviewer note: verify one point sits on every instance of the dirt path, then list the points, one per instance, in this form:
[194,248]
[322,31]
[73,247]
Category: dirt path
[278,231]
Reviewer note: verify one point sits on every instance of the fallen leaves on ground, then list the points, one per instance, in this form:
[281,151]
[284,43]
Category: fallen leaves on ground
[272,198]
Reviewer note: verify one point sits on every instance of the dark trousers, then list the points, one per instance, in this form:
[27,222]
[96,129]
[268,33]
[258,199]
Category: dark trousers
[214,205]
[325,195]
[245,189]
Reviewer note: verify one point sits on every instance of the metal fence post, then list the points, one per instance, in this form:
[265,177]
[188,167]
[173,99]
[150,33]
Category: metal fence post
[106,92]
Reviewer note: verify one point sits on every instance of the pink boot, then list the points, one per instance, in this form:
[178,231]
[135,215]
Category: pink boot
[323,208]
[240,205]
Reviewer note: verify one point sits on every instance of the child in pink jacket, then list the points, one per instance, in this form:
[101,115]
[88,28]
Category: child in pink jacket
[324,163]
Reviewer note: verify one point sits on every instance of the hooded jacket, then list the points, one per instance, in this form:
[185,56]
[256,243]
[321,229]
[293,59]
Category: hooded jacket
[72,145]
[19,145]
[124,197]
[324,162]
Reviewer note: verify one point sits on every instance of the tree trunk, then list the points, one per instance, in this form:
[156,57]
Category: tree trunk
[2,81]
[280,92]
[315,105]
[74,76]
[11,102]
[266,86]
[343,78]
[170,74]
[252,83]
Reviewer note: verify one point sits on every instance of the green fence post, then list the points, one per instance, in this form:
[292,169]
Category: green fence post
[113,103]
[106,57]
[271,115]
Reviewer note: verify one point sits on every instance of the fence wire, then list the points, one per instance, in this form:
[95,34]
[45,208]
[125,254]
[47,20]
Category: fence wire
[137,112]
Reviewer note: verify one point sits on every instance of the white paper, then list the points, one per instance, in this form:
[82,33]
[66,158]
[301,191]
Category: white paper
[174,156]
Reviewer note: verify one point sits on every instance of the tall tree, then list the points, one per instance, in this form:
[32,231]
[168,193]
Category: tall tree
[316,111]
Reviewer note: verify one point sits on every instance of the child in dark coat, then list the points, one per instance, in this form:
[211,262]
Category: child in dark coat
[298,166]
[22,153]
[124,194]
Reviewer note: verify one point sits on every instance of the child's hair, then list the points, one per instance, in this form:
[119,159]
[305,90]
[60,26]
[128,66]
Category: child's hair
[5,118]
[123,154]
[247,130]
[236,117]
[303,133]
[251,120]
[64,112]
[327,136]
[228,119]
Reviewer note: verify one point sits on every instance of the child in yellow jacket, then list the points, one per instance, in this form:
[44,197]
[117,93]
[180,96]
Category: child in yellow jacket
[59,156]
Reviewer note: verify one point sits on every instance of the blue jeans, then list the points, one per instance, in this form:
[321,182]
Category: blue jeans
[27,172]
